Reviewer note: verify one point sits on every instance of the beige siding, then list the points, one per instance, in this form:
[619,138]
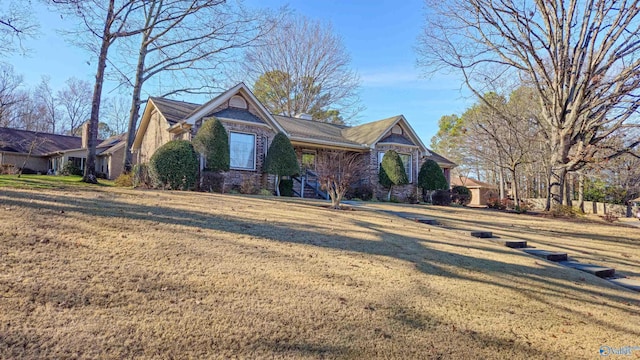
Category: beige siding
[35,163]
[155,136]
[116,163]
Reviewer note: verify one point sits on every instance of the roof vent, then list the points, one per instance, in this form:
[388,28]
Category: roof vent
[304,116]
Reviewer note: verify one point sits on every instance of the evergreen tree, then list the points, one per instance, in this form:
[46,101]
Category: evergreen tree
[281,159]
[212,141]
[392,171]
[431,178]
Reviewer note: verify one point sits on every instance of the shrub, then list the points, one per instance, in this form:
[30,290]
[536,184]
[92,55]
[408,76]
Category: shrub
[431,176]
[392,171]
[363,192]
[412,198]
[175,165]
[499,204]
[141,177]
[565,211]
[286,187]
[281,159]
[441,197]
[70,169]
[460,195]
[212,141]
[248,186]
[265,192]
[124,180]
[212,182]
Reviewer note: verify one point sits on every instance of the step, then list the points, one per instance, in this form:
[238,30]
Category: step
[426,220]
[628,283]
[482,234]
[514,244]
[599,271]
[545,254]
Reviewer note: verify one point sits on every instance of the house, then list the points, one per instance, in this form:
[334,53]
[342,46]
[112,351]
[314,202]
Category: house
[252,127]
[47,153]
[481,192]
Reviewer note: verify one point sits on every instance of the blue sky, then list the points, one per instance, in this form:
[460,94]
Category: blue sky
[379,35]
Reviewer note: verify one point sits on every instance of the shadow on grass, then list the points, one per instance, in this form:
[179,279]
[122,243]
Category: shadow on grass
[540,283]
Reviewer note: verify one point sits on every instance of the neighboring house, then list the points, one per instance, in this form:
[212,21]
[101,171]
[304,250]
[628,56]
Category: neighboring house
[480,191]
[47,153]
[251,129]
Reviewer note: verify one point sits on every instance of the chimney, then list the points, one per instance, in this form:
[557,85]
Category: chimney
[85,135]
[304,116]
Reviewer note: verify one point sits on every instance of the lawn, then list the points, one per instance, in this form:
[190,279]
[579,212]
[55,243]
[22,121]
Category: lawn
[45,181]
[102,272]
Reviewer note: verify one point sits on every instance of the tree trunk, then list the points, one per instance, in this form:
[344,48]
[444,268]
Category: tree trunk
[568,193]
[278,185]
[581,192]
[556,185]
[389,194]
[501,180]
[135,109]
[90,167]
[514,189]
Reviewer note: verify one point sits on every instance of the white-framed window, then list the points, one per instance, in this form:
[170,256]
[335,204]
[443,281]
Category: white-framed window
[407,161]
[242,151]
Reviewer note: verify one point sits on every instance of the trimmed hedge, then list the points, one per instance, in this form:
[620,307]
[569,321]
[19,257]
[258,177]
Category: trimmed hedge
[175,165]
[431,177]
[460,195]
[286,187]
[441,197]
[212,141]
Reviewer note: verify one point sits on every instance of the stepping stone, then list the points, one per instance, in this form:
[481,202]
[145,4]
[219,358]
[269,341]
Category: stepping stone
[628,283]
[545,254]
[426,220]
[482,234]
[599,271]
[514,244]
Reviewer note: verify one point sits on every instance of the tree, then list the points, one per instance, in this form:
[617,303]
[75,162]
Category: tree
[188,39]
[392,171]
[47,102]
[16,25]
[579,57]
[431,178]
[75,103]
[303,67]
[281,159]
[10,97]
[212,141]
[105,21]
[337,171]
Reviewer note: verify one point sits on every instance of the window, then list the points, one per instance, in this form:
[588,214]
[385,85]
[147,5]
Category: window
[406,161]
[309,161]
[242,151]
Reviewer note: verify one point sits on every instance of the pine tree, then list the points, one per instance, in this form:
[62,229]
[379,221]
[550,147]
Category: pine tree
[212,141]
[392,171]
[281,159]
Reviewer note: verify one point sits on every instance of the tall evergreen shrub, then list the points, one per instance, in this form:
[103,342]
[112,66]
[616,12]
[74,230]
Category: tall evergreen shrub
[212,141]
[392,171]
[281,159]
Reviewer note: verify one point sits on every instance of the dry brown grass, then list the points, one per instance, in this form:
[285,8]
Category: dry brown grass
[115,273]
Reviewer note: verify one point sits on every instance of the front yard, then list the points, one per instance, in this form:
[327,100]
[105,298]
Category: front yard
[108,272]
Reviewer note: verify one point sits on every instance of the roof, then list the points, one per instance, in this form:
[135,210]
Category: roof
[237,114]
[441,160]
[19,141]
[174,110]
[397,139]
[313,130]
[468,182]
[111,144]
[370,132]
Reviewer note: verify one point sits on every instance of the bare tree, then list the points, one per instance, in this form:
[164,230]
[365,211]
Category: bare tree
[75,103]
[337,171]
[303,67]
[189,38]
[16,25]
[116,112]
[47,103]
[581,57]
[10,96]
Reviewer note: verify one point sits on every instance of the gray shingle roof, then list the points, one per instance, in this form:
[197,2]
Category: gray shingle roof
[237,114]
[397,139]
[14,140]
[441,160]
[174,110]
[368,133]
[309,129]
